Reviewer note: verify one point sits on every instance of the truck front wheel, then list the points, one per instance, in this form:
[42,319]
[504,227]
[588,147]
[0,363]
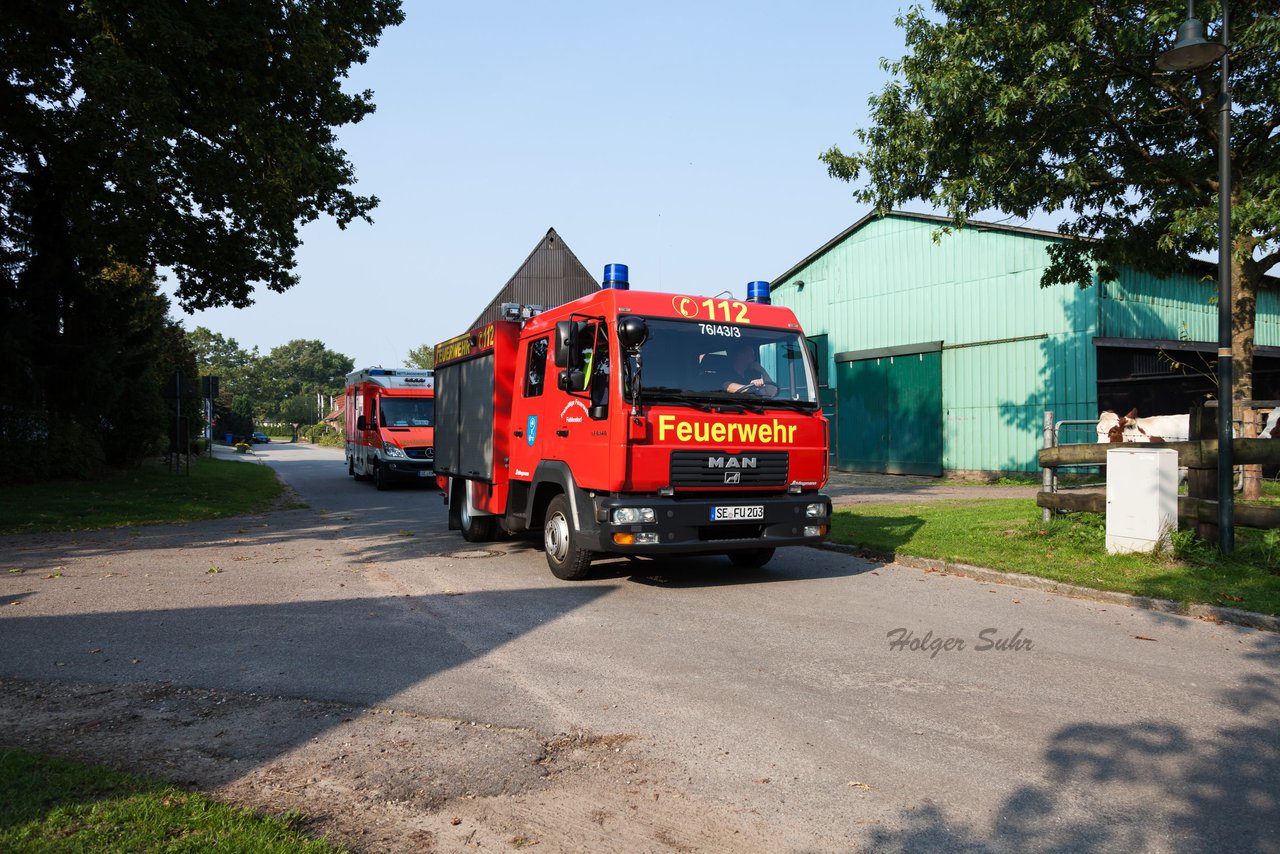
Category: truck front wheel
[565,555]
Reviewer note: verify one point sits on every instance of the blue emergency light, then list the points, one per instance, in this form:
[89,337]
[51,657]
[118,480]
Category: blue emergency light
[758,292]
[615,277]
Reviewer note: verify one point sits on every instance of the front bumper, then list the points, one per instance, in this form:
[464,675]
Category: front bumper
[684,525]
[409,468]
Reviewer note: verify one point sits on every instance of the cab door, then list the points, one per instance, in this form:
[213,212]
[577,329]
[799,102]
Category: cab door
[577,438]
[535,373]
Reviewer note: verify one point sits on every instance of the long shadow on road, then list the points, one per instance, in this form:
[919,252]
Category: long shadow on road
[1148,785]
[354,651]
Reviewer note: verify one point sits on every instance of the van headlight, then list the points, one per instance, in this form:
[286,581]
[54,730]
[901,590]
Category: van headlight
[632,515]
[393,451]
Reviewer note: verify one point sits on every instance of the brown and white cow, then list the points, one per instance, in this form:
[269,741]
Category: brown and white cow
[1131,428]
[1271,430]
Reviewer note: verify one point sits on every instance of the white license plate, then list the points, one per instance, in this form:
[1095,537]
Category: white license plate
[423,473]
[737,514]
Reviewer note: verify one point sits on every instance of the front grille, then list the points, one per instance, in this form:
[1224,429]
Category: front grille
[718,469]
[427,453]
[731,532]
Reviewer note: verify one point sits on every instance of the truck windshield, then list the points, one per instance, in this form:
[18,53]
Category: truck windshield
[725,362]
[408,412]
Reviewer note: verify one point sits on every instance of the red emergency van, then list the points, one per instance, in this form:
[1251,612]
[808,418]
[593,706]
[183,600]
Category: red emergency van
[389,417]
[635,423]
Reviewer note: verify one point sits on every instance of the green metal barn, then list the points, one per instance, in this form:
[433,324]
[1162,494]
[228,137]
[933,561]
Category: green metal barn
[942,352]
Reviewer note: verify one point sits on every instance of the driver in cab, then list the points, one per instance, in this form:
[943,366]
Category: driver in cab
[746,375]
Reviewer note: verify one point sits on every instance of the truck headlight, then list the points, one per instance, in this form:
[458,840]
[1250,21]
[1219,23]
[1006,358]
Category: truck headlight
[632,515]
[393,451]
[816,511]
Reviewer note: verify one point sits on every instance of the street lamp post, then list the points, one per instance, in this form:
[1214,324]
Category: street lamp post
[1189,52]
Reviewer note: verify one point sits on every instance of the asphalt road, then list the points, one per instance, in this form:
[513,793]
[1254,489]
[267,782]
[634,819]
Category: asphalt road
[1082,727]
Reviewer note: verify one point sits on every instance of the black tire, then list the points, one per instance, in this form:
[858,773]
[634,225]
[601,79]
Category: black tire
[751,558]
[565,555]
[475,528]
[380,481]
[351,466]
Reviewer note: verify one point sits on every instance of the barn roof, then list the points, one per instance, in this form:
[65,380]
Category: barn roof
[552,275]
[978,225]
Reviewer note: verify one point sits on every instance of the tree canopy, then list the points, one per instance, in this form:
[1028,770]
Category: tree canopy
[1018,107]
[423,357]
[193,137]
[300,369]
[237,371]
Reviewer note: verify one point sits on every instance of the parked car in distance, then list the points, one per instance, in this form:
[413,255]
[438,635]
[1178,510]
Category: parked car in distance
[259,438]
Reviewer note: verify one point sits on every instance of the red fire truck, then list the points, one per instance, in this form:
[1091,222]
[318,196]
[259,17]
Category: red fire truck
[635,423]
[390,418]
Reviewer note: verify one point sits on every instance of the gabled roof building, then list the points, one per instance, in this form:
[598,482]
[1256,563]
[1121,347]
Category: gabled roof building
[944,354]
[551,275]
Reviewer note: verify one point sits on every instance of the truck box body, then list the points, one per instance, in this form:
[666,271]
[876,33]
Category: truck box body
[718,472]
[389,422]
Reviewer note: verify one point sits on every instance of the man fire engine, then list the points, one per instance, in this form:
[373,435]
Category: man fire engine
[389,415]
[635,423]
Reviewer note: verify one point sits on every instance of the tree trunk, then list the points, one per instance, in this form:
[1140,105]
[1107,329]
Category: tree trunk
[1245,277]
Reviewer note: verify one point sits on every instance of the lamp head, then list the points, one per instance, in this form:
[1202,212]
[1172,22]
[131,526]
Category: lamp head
[1190,50]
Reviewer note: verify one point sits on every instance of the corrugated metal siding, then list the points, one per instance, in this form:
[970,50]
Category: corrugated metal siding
[552,275]
[1140,305]
[1268,325]
[889,283]
[1177,308]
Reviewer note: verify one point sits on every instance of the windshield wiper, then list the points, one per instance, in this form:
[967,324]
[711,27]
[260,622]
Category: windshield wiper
[652,396]
[797,405]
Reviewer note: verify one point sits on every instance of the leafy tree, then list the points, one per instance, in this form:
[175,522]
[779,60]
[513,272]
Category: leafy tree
[421,357]
[300,368]
[236,370]
[100,397]
[299,409]
[195,136]
[1016,106]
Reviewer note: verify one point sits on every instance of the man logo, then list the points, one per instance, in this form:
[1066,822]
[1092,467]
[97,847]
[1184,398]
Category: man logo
[733,477]
[731,462]
[685,306]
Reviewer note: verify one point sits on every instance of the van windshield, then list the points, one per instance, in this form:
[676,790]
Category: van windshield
[724,362]
[408,412]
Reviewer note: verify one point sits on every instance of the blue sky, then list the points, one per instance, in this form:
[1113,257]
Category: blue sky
[680,139]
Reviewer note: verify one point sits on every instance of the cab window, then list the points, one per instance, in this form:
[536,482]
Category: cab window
[593,344]
[536,367]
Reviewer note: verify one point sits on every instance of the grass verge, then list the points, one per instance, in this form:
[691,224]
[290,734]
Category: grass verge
[1006,534]
[49,804]
[146,496]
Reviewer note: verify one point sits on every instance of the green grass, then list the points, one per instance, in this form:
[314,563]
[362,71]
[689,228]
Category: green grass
[49,804]
[1006,534]
[146,496]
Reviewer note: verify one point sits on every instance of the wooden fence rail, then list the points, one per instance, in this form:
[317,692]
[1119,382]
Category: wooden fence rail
[1190,510]
[1199,456]
[1202,454]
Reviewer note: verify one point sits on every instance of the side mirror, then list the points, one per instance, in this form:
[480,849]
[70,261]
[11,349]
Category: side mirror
[361,424]
[566,341]
[632,333]
[572,380]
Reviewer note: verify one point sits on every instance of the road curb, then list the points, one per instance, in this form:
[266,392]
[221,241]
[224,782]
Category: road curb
[1031,582]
